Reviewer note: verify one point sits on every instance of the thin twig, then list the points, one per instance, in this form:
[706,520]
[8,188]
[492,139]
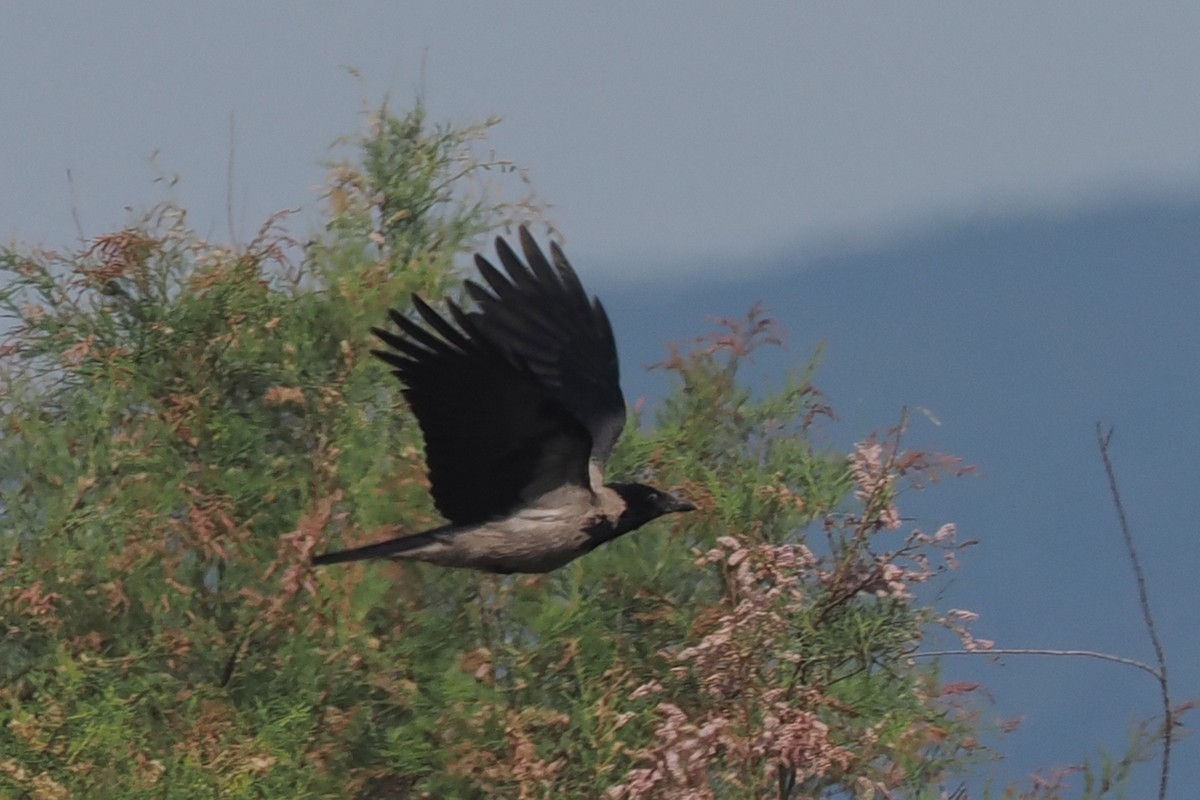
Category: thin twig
[229,171]
[239,652]
[75,206]
[1041,651]
[1135,563]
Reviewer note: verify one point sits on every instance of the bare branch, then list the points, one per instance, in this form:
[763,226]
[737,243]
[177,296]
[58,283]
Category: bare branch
[1041,651]
[1103,440]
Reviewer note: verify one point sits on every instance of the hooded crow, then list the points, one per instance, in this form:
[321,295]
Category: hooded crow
[520,404]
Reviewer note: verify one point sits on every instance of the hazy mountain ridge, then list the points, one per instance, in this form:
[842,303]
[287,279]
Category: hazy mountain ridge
[1019,334]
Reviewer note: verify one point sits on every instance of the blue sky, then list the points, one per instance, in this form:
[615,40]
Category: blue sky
[657,129]
[970,168]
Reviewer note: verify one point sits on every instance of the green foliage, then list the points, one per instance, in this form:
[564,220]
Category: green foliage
[1104,777]
[184,424]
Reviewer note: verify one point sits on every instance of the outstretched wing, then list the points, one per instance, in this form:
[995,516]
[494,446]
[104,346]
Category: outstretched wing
[495,436]
[540,317]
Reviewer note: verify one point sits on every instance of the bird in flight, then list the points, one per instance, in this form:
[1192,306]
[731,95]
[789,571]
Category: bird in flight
[520,404]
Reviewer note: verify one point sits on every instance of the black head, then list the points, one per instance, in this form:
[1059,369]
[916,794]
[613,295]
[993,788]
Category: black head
[644,503]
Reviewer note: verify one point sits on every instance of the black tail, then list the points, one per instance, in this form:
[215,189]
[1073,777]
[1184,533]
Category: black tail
[385,549]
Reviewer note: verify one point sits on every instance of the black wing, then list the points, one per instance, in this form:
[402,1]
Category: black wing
[516,398]
[494,436]
[540,316]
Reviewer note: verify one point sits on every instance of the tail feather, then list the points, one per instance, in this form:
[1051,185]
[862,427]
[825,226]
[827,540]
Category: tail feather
[400,547]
